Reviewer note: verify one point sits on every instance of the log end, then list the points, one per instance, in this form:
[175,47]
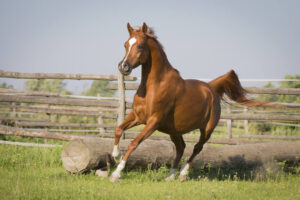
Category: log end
[75,156]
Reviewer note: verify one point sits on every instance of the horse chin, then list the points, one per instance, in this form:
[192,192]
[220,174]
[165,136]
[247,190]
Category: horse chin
[126,73]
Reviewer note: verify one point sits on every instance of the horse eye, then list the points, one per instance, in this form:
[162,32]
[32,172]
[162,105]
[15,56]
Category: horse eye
[140,46]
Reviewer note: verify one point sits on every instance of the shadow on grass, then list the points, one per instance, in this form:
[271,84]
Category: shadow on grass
[235,169]
[238,169]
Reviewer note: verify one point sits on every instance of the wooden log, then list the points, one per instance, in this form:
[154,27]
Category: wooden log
[6,74]
[248,155]
[81,155]
[85,154]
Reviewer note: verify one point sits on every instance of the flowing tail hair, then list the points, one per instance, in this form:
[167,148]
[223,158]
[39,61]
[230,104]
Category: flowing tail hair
[230,85]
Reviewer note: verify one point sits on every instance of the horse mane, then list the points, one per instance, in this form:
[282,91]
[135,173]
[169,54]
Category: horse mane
[151,33]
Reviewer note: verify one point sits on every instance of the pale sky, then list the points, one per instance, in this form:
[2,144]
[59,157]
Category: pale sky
[202,39]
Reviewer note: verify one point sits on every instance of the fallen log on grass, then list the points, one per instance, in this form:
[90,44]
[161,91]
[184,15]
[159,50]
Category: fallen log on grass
[82,155]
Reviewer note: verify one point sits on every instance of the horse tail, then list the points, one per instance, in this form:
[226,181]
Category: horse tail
[230,85]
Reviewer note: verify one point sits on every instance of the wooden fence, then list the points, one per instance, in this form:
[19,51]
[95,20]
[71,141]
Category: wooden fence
[38,113]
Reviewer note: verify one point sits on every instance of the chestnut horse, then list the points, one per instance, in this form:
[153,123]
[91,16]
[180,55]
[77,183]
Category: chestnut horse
[166,102]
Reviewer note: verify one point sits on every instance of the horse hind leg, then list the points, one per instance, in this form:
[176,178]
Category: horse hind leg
[205,135]
[180,146]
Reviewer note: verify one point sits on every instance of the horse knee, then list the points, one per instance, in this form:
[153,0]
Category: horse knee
[118,132]
[132,146]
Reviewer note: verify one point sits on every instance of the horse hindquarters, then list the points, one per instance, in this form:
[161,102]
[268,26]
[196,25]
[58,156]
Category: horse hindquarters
[211,120]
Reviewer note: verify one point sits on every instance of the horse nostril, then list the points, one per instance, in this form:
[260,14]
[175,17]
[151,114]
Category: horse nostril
[126,68]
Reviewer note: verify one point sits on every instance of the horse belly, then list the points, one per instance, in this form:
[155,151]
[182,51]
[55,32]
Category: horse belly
[190,119]
[193,110]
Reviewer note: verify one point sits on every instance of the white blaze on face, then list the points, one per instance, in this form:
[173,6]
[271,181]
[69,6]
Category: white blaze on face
[131,43]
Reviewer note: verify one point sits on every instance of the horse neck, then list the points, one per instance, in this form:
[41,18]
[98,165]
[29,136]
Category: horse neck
[157,65]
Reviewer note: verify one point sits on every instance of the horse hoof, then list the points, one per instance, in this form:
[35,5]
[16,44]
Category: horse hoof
[182,178]
[102,173]
[170,178]
[114,179]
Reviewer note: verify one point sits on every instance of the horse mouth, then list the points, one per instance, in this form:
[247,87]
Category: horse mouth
[126,72]
[125,69]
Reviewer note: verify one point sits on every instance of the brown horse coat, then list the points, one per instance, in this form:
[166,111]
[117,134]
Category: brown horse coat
[166,102]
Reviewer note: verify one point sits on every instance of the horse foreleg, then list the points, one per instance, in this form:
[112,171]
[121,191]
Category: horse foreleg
[205,135]
[180,146]
[150,127]
[129,122]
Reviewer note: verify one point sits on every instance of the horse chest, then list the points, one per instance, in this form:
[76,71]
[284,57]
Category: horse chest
[143,108]
[139,107]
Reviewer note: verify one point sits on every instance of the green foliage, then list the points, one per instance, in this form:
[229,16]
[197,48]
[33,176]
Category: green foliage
[99,87]
[283,98]
[5,86]
[44,85]
[295,84]
[287,130]
[37,173]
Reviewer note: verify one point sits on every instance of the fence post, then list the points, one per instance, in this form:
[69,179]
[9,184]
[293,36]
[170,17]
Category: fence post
[100,120]
[246,121]
[15,115]
[228,123]
[121,95]
[49,120]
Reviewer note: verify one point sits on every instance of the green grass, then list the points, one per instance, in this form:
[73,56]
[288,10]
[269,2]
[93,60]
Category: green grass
[37,173]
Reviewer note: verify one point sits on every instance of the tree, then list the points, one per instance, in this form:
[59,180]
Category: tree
[99,87]
[280,98]
[5,86]
[44,85]
[283,98]
[289,84]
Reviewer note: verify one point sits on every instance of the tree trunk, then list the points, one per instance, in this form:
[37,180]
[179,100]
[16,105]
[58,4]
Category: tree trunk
[82,155]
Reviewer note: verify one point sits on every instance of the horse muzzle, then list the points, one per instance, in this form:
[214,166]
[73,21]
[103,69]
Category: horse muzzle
[125,68]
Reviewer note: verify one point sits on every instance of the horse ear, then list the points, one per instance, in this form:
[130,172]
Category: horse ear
[130,29]
[145,28]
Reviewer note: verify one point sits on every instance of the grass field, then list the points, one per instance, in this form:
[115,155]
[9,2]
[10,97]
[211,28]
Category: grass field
[37,173]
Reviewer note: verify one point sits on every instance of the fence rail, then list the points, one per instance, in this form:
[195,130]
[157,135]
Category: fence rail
[251,90]
[19,75]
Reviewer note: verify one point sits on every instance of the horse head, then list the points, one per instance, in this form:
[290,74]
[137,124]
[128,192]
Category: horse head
[137,49]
